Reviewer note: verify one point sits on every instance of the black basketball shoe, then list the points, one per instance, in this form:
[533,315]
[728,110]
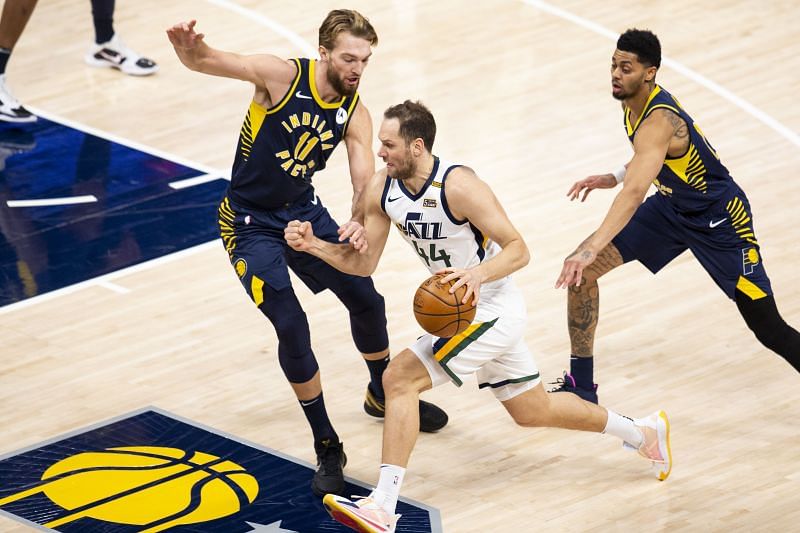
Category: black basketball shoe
[329,478]
[568,384]
[431,418]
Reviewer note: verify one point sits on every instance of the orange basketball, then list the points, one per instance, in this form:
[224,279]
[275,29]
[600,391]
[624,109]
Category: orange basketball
[439,312]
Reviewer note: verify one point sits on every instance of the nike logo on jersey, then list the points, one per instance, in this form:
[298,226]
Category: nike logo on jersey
[713,224]
[301,95]
[393,199]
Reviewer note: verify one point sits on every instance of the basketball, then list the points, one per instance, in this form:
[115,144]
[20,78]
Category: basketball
[439,312]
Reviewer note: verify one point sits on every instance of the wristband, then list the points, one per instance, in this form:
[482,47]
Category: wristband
[619,174]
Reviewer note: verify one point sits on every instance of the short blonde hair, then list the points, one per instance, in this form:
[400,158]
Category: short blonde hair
[345,20]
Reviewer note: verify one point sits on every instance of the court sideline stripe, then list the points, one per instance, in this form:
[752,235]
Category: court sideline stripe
[103,281]
[305,47]
[714,87]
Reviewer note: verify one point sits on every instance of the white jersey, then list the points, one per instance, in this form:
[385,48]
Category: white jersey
[426,223]
[493,347]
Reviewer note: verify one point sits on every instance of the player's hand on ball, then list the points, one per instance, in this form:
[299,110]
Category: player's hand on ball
[470,278]
[299,235]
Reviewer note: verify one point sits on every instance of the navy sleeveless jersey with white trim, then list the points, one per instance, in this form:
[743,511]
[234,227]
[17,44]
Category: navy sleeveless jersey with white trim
[281,148]
[427,224]
[696,180]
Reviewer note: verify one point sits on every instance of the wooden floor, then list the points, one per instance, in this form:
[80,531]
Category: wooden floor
[522,95]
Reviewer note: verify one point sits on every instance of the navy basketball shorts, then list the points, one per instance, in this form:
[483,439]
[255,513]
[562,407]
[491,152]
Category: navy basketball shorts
[722,239]
[261,258]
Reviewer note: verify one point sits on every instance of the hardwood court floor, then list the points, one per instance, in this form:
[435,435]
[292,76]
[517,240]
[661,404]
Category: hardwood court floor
[522,95]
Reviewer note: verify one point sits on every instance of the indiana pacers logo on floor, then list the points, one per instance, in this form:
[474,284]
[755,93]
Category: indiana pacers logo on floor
[153,487]
[151,471]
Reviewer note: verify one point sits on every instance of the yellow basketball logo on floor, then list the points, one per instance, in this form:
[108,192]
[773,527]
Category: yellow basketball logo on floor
[145,485]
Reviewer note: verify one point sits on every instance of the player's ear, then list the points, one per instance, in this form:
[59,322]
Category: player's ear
[323,53]
[419,146]
[651,73]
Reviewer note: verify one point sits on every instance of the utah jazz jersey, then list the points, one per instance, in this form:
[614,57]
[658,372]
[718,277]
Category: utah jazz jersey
[426,223]
[281,148]
[697,179]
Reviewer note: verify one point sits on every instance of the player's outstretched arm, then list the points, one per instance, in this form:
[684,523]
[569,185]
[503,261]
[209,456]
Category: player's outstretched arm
[195,54]
[359,260]
[650,147]
[470,198]
[358,140]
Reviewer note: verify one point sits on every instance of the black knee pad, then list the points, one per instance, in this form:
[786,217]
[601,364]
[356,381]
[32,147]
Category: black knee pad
[367,314]
[763,318]
[294,339]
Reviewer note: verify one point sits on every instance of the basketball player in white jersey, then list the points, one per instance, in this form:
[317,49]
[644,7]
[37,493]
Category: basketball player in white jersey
[455,224]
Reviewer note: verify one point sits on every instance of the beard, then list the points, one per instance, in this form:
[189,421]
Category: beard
[338,83]
[405,170]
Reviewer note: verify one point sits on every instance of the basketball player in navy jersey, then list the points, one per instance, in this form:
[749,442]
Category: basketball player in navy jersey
[300,111]
[697,206]
[454,223]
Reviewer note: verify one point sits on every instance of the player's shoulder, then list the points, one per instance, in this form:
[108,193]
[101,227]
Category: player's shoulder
[277,68]
[460,177]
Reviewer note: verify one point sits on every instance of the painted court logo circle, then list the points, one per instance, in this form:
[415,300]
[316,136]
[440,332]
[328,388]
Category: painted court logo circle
[151,486]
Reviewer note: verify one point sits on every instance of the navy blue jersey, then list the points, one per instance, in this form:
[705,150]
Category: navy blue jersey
[696,180]
[281,148]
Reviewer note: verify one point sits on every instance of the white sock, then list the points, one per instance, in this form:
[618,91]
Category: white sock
[624,428]
[388,489]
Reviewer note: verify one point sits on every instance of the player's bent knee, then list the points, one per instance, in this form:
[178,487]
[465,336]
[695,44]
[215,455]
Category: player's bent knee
[405,374]
[294,338]
[367,315]
[534,419]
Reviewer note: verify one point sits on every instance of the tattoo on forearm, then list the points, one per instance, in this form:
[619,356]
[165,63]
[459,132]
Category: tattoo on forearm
[581,245]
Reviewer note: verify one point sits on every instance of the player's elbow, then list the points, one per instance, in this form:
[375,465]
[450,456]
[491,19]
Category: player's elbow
[523,254]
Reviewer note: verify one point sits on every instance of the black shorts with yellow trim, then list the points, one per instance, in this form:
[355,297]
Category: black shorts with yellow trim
[722,239]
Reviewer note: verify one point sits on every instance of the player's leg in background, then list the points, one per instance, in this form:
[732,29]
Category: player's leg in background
[583,310]
[368,326]
[109,50]
[16,14]
[763,319]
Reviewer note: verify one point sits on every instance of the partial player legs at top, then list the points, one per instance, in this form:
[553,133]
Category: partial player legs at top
[15,16]
[108,50]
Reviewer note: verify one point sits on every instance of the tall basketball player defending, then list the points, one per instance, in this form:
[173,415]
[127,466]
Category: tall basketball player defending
[697,206]
[455,224]
[300,111]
